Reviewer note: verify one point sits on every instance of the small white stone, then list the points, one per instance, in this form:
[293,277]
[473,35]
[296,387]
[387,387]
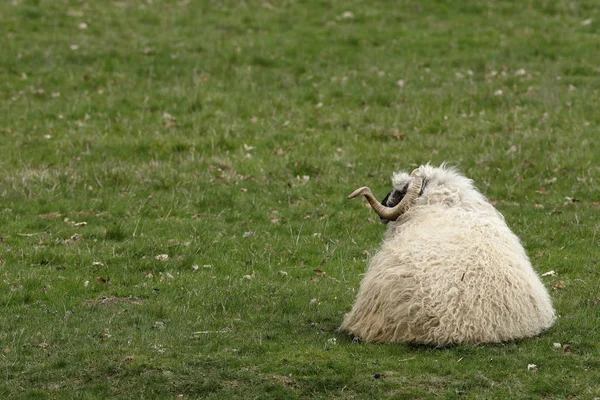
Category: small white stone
[520,72]
[158,325]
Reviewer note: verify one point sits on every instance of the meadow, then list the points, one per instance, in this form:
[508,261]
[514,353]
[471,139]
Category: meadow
[173,182]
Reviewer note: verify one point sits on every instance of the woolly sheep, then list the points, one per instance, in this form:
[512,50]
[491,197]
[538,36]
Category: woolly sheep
[449,270]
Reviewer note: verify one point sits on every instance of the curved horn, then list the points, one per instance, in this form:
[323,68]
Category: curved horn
[392,213]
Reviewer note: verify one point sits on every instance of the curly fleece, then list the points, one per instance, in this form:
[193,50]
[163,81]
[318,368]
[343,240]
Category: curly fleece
[449,271]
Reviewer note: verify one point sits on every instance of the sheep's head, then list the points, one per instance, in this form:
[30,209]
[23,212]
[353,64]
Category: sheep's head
[406,190]
[421,183]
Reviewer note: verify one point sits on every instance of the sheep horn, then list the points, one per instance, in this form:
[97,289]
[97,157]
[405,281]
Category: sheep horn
[391,213]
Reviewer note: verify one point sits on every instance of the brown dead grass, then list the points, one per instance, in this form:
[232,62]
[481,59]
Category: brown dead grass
[112,300]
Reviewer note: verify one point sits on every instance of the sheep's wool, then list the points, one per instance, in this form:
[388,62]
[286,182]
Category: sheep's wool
[449,271]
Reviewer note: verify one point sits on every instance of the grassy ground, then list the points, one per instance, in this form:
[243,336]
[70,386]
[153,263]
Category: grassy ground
[226,135]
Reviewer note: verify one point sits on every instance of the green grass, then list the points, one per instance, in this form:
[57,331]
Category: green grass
[227,135]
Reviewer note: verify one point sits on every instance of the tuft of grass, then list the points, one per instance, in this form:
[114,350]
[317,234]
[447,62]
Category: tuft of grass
[227,135]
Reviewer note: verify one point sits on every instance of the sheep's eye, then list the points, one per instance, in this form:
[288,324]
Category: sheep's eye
[384,202]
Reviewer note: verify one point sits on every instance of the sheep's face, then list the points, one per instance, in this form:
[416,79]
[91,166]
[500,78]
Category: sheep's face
[392,199]
[400,182]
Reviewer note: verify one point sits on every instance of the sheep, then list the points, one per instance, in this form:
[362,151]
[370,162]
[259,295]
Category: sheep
[449,271]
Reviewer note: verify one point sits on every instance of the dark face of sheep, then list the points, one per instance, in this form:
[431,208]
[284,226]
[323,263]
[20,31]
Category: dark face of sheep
[401,199]
[392,199]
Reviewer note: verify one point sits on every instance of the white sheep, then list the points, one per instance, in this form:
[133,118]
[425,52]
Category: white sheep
[449,270]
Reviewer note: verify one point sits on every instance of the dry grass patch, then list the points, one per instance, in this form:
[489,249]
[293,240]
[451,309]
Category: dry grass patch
[112,300]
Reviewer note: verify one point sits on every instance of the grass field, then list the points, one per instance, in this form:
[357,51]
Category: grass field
[226,135]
